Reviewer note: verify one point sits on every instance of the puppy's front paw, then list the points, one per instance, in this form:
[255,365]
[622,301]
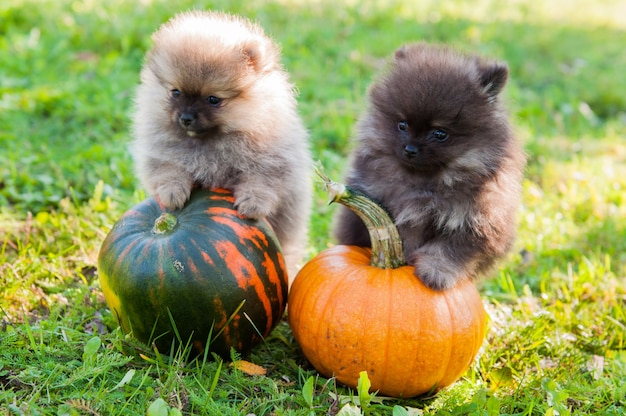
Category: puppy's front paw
[253,203]
[173,195]
[435,272]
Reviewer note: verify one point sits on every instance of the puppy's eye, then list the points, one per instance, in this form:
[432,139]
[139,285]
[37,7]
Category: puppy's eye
[214,101]
[440,135]
[403,125]
[175,93]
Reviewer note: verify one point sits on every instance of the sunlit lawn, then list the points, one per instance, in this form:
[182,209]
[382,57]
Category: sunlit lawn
[557,304]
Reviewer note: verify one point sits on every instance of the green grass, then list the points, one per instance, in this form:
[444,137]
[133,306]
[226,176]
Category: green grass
[557,334]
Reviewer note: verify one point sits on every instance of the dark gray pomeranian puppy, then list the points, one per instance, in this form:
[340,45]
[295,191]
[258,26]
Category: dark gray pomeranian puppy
[215,108]
[435,149]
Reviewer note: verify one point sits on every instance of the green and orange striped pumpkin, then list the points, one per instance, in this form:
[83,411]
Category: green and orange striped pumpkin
[201,274]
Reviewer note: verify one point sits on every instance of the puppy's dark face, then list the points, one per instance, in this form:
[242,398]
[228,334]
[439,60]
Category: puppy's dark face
[437,110]
[424,142]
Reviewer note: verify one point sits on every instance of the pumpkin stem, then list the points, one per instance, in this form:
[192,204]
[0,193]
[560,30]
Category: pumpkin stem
[165,223]
[386,243]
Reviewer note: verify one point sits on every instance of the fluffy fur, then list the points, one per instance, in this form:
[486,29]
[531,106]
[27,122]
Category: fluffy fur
[216,109]
[436,150]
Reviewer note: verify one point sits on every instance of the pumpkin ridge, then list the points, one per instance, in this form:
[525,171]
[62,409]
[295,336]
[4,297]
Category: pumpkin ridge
[365,306]
[218,212]
[474,340]
[156,300]
[331,299]
[305,323]
[192,266]
[224,198]
[135,215]
[145,250]
[273,277]
[390,319]
[221,325]
[122,255]
[258,239]
[315,324]
[233,257]
[205,257]
[245,232]
[222,194]
[447,358]
[417,325]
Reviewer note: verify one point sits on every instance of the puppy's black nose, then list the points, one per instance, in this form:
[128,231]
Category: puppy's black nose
[186,119]
[410,151]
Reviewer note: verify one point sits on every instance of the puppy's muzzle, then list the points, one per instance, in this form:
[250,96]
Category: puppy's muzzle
[410,151]
[186,120]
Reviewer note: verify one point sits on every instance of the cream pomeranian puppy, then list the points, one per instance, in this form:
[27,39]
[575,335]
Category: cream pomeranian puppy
[215,108]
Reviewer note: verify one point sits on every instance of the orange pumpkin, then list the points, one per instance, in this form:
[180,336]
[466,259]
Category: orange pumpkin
[351,312]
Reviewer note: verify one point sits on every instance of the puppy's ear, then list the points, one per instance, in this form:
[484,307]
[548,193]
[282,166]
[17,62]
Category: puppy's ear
[251,53]
[493,77]
[259,55]
[400,53]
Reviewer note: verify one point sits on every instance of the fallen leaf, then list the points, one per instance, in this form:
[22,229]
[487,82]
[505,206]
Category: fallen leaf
[249,368]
